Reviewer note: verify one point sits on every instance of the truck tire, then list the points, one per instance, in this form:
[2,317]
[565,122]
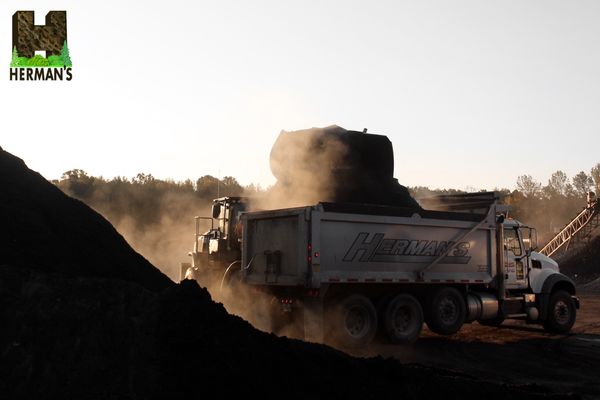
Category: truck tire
[561,313]
[353,322]
[446,311]
[403,319]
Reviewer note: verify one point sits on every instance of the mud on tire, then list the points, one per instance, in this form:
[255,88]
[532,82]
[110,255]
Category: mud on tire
[351,322]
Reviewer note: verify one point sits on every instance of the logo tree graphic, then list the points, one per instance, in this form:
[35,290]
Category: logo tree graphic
[65,55]
[15,58]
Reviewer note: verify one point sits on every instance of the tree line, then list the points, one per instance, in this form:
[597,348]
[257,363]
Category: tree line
[144,201]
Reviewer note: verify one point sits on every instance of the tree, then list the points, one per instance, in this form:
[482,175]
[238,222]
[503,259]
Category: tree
[595,174]
[557,185]
[231,187]
[143,179]
[528,186]
[64,53]
[74,174]
[15,58]
[77,183]
[582,184]
[207,187]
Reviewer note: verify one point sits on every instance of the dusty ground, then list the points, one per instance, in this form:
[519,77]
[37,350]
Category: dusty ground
[516,352]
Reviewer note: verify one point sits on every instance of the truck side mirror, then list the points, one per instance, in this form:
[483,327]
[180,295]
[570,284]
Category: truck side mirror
[533,239]
[216,210]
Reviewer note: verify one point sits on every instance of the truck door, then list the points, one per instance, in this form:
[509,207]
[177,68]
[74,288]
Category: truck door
[515,259]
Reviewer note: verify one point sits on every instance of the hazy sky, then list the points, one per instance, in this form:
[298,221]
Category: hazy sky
[471,93]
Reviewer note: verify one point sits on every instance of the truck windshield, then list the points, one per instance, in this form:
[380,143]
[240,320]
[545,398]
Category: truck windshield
[511,241]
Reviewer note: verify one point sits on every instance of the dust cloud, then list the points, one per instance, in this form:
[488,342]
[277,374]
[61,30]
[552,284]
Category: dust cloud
[307,166]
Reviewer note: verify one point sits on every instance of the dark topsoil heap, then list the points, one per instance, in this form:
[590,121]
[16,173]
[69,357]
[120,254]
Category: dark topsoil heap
[333,164]
[83,316]
[583,266]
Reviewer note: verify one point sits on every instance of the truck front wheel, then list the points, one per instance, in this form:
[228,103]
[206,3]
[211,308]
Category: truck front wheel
[446,312]
[353,322]
[561,313]
[403,319]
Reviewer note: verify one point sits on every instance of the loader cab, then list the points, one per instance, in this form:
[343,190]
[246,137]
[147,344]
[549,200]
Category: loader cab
[225,234]
[519,242]
[227,212]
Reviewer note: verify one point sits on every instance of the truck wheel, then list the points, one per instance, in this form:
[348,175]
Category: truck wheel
[446,311]
[353,322]
[561,313]
[403,319]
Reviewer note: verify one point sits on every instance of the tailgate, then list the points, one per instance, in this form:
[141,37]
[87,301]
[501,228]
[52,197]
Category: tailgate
[274,247]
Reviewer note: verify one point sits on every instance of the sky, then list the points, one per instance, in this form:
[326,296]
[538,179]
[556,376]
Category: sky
[472,94]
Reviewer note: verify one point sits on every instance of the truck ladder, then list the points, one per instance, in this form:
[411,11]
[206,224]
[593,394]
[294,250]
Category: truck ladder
[578,229]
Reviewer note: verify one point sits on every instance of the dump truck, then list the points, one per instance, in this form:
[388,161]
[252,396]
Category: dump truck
[348,271]
[365,257]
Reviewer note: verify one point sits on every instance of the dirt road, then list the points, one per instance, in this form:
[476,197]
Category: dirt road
[516,353]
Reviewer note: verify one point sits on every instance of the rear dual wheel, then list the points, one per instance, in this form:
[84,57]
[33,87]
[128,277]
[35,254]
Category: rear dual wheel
[352,322]
[403,319]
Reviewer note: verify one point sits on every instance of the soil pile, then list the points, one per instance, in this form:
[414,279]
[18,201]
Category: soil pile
[82,316]
[44,229]
[333,164]
[584,265]
[592,287]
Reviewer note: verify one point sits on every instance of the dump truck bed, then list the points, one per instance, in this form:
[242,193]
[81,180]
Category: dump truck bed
[341,243]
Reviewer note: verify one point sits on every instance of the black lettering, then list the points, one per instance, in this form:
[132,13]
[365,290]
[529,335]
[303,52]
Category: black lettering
[386,246]
[361,244]
[461,249]
[21,74]
[69,76]
[415,247]
[443,247]
[430,249]
[38,74]
[400,246]
[29,74]
[58,74]
[14,73]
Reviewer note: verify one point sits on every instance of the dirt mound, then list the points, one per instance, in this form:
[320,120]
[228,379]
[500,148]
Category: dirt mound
[82,316]
[592,287]
[583,266]
[333,164]
[42,228]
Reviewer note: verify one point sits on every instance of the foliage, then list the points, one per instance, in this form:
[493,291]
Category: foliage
[58,61]
[14,62]
[528,186]
[66,57]
[55,61]
[582,183]
[38,61]
[144,202]
[595,174]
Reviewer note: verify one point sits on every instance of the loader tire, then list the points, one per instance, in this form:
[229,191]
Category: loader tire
[403,319]
[352,322]
[446,312]
[561,313]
